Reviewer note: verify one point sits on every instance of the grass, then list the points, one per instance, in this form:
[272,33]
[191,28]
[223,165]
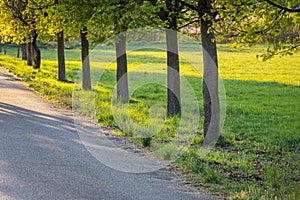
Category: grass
[257,156]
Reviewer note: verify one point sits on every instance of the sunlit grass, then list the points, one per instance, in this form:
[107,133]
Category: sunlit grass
[245,66]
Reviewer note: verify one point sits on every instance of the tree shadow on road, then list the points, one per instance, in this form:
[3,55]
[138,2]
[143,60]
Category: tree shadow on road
[41,153]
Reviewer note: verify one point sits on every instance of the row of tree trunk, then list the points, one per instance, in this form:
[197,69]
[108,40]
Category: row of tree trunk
[210,78]
[31,53]
[4,48]
[21,47]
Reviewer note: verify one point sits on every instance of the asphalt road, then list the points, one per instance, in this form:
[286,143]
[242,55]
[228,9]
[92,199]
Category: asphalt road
[42,156]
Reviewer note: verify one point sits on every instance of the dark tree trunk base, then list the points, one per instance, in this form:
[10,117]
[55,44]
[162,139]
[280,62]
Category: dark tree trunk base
[24,52]
[122,78]
[18,53]
[61,57]
[29,54]
[174,103]
[210,93]
[36,51]
[86,74]
[4,48]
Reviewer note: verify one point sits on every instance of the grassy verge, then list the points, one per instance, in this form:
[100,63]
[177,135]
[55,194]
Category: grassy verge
[257,156]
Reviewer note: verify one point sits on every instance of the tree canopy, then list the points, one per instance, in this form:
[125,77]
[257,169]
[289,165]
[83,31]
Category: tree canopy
[245,23]
[242,23]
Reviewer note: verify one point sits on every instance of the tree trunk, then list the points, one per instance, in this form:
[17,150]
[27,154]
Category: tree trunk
[122,77]
[29,54]
[4,48]
[86,74]
[61,57]
[210,84]
[173,76]
[36,51]
[18,52]
[24,52]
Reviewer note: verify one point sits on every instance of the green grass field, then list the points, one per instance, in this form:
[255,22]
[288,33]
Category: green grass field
[257,156]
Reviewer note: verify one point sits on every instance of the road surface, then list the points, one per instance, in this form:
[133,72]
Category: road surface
[42,156]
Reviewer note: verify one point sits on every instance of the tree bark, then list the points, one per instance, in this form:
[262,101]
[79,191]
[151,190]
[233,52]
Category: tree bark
[122,77]
[36,51]
[86,74]
[61,57]
[210,83]
[29,54]
[18,52]
[173,76]
[24,52]
[4,48]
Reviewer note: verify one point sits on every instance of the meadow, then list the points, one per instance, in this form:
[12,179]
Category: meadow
[258,154]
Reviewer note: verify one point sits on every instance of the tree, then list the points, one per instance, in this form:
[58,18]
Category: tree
[80,14]
[170,15]
[175,10]
[4,48]
[173,16]
[64,17]
[21,22]
[173,75]
[122,77]
[71,18]
[115,18]
[244,22]
[86,74]
[24,51]
[61,56]
[211,106]
[120,25]
[210,91]
[168,12]
[58,29]
[36,53]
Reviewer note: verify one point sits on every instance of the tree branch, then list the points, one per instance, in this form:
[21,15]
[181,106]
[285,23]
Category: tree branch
[287,51]
[292,9]
[191,22]
[16,13]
